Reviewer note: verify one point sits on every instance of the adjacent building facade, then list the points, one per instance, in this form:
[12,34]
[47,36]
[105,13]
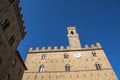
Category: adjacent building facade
[71,63]
[12,31]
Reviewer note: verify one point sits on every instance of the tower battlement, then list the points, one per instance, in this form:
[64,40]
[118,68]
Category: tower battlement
[71,27]
[56,48]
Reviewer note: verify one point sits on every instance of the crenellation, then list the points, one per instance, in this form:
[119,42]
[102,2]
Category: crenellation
[61,47]
[86,46]
[55,48]
[98,45]
[49,48]
[37,49]
[30,49]
[43,48]
[68,47]
[92,46]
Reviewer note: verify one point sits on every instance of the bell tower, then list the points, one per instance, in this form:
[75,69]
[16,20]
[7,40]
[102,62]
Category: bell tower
[73,38]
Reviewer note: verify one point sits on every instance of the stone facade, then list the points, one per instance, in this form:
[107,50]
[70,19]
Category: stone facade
[12,32]
[71,63]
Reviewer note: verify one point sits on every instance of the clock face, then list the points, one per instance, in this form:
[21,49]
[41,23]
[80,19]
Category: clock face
[77,55]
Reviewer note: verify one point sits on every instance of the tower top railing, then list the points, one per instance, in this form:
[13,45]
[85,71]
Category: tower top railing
[71,27]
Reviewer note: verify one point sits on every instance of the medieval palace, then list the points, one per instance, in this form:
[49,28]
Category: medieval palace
[71,63]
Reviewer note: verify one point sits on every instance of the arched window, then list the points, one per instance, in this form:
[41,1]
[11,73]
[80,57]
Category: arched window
[66,56]
[93,53]
[43,56]
[98,66]
[67,67]
[42,69]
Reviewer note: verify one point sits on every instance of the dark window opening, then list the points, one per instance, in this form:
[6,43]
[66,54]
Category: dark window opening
[42,69]
[1,60]
[0,42]
[67,68]
[65,56]
[5,24]
[98,67]
[43,56]
[94,54]
[72,32]
[11,40]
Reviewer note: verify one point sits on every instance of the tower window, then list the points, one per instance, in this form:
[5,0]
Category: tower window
[94,54]
[11,40]
[1,60]
[72,32]
[67,68]
[98,67]
[66,56]
[43,56]
[5,24]
[1,42]
[42,69]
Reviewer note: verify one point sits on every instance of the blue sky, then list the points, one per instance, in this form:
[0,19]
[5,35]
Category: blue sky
[46,23]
